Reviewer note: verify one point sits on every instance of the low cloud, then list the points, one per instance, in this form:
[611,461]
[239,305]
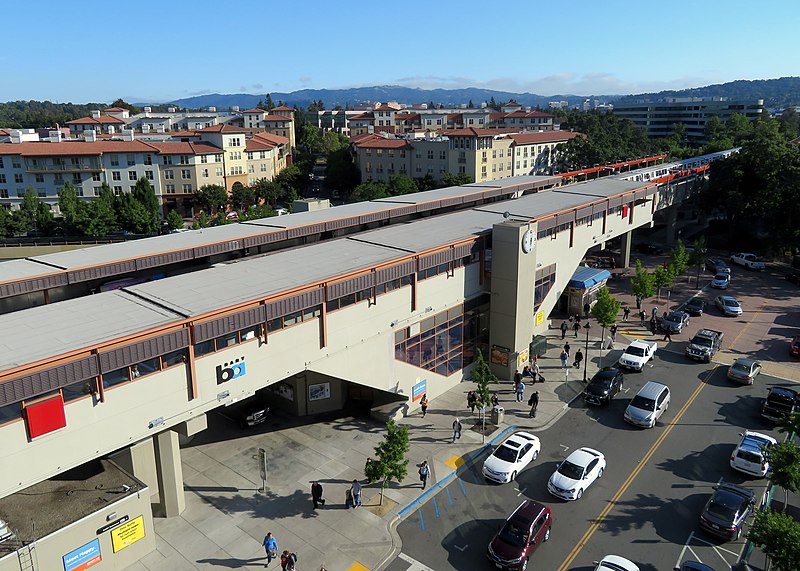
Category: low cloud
[257,86]
[304,80]
[205,91]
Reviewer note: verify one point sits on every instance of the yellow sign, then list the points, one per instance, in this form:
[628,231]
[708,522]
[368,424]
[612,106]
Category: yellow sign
[127,533]
[522,358]
[539,317]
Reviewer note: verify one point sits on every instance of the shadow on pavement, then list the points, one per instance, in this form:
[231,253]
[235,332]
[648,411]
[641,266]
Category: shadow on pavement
[661,513]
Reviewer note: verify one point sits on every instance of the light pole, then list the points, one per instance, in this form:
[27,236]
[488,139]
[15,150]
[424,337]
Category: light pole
[586,356]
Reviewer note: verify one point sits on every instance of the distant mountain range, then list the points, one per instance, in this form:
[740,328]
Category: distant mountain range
[775,93]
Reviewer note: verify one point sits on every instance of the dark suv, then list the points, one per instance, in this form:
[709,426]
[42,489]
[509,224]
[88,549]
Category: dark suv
[525,530]
[603,386]
[249,412]
[727,510]
[779,402]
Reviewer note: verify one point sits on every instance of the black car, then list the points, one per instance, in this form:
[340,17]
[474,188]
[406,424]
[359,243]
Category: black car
[695,306]
[780,402]
[249,412]
[727,510]
[651,249]
[604,385]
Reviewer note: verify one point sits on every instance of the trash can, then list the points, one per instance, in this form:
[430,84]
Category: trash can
[538,346]
[498,414]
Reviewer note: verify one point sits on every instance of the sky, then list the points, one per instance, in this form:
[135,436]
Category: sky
[83,51]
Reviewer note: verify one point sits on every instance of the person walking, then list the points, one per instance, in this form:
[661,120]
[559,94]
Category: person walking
[586,309]
[348,498]
[642,317]
[613,331]
[564,358]
[472,401]
[316,494]
[578,359]
[564,328]
[291,562]
[567,348]
[654,312]
[271,547]
[356,488]
[456,430]
[536,374]
[534,402]
[653,326]
[576,327]
[667,335]
[284,559]
[423,404]
[495,399]
[626,312]
[424,473]
[520,391]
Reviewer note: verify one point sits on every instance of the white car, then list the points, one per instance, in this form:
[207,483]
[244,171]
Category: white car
[615,563]
[576,473]
[748,456]
[748,261]
[511,457]
[637,354]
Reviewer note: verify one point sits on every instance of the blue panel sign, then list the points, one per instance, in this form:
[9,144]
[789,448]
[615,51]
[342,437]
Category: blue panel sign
[418,390]
[83,557]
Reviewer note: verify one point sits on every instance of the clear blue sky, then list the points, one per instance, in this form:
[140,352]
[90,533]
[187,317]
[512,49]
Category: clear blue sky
[83,51]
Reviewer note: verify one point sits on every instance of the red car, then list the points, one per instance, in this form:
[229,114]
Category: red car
[794,348]
[525,530]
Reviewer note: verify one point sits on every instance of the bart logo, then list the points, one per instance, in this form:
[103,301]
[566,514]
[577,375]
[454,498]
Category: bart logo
[230,371]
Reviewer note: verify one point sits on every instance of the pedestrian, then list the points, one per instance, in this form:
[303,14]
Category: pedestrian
[567,348]
[571,320]
[526,371]
[424,473]
[517,380]
[423,403]
[564,328]
[534,402]
[367,464]
[284,560]
[271,547]
[642,317]
[564,358]
[356,487]
[613,331]
[654,312]
[316,494]
[520,391]
[653,326]
[576,327]
[626,312]
[638,302]
[495,400]
[578,359]
[537,376]
[586,309]
[456,430]
[667,335]
[348,498]
[291,562]
[472,401]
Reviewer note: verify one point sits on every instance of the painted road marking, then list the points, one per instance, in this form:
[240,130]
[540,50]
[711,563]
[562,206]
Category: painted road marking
[415,565]
[455,462]
[449,497]
[683,551]
[421,520]
[358,567]
[522,491]
[626,484]
[461,549]
[564,447]
[463,489]
[435,506]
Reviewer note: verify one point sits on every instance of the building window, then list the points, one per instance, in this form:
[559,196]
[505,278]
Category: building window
[187,188]
[217,158]
[170,189]
[131,160]
[39,178]
[131,175]
[167,159]
[148,175]
[76,177]
[18,178]
[545,279]
[116,175]
[169,175]
[184,159]
[148,159]
[114,161]
[203,159]
[236,155]
[2,178]
[117,190]
[263,167]
[430,155]
[3,193]
[219,172]
[205,173]
[96,177]
[186,173]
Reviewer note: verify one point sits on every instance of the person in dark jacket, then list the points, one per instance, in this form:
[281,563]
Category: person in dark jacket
[316,494]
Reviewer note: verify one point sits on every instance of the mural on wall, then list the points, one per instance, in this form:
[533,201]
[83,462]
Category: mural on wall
[500,355]
[320,391]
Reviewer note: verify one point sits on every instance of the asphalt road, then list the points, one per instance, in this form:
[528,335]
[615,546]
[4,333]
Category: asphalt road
[646,505]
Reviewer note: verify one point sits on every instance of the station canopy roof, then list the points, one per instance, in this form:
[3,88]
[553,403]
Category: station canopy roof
[586,277]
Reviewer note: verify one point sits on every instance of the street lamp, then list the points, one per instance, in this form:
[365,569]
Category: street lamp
[586,356]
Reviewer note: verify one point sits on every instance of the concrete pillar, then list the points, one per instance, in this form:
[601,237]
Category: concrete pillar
[624,259]
[170,473]
[139,460]
[672,226]
[511,319]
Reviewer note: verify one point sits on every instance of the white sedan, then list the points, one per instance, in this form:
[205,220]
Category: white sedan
[511,457]
[576,473]
[615,563]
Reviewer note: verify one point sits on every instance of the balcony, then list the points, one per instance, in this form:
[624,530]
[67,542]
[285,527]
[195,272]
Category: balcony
[91,166]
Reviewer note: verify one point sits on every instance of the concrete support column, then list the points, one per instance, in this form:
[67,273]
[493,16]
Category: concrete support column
[511,319]
[170,473]
[139,460]
[624,259]
[672,226]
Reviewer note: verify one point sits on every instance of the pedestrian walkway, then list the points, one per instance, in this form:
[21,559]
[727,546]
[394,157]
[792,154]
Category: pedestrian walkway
[226,515]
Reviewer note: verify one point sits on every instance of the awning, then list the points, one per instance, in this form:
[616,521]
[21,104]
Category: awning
[586,277]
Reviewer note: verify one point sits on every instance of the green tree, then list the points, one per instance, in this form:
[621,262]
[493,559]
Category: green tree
[268,102]
[291,179]
[790,424]
[341,173]
[242,198]
[5,222]
[778,536]
[482,375]
[132,215]
[426,182]
[257,212]
[662,277]
[97,217]
[679,259]
[400,184]
[391,463]
[450,179]
[605,310]
[144,193]
[211,197]
[642,283]
[174,220]
[784,462]
[68,204]
[32,214]
[333,141]
[370,190]
[201,222]
[697,256]
[267,191]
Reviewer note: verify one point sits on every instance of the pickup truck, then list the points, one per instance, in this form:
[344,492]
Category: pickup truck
[749,261]
[704,345]
[780,402]
[637,354]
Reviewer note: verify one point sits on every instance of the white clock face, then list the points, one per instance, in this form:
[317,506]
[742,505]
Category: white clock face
[528,241]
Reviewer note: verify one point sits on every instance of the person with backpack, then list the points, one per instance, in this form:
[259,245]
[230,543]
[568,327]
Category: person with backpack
[578,359]
[534,403]
[291,562]
[271,547]
[424,473]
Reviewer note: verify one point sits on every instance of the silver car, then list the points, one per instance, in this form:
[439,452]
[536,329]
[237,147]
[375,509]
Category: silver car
[728,306]
[648,405]
[744,371]
[675,321]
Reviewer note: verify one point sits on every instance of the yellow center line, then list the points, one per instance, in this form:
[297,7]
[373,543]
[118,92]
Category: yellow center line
[748,324]
[626,484]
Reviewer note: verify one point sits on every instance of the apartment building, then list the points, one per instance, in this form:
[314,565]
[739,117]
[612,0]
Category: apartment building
[278,121]
[483,154]
[220,154]
[658,117]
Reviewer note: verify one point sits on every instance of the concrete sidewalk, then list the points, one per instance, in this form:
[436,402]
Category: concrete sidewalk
[226,516]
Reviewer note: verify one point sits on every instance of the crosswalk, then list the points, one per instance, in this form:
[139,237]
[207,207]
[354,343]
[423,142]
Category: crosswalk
[414,564]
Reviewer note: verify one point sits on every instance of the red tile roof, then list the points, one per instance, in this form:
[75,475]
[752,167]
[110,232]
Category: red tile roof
[254,110]
[271,138]
[511,104]
[387,107]
[185,148]
[275,118]
[406,116]
[362,137]
[282,108]
[4,132]
[496,116]
[115,109]
[454,115]
[66,148]
[474,132]
[102,120]
[362,117]
[383,143]
[543,137]
[222,128]
[521,113]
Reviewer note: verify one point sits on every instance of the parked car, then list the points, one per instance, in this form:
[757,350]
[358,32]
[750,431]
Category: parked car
[511,457]
[695,307]
[693,566]
[524,530]
[718,266]
[648,405]
[780,401]
[675,321]
[749,261]
[744,371]
[637,354]
[727,510]
[604,385]
[721,281]
[794,346]
[615,563]
[651,249]
[249,412]
[704,345]
[748,456]
[576,473]
[728,305]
